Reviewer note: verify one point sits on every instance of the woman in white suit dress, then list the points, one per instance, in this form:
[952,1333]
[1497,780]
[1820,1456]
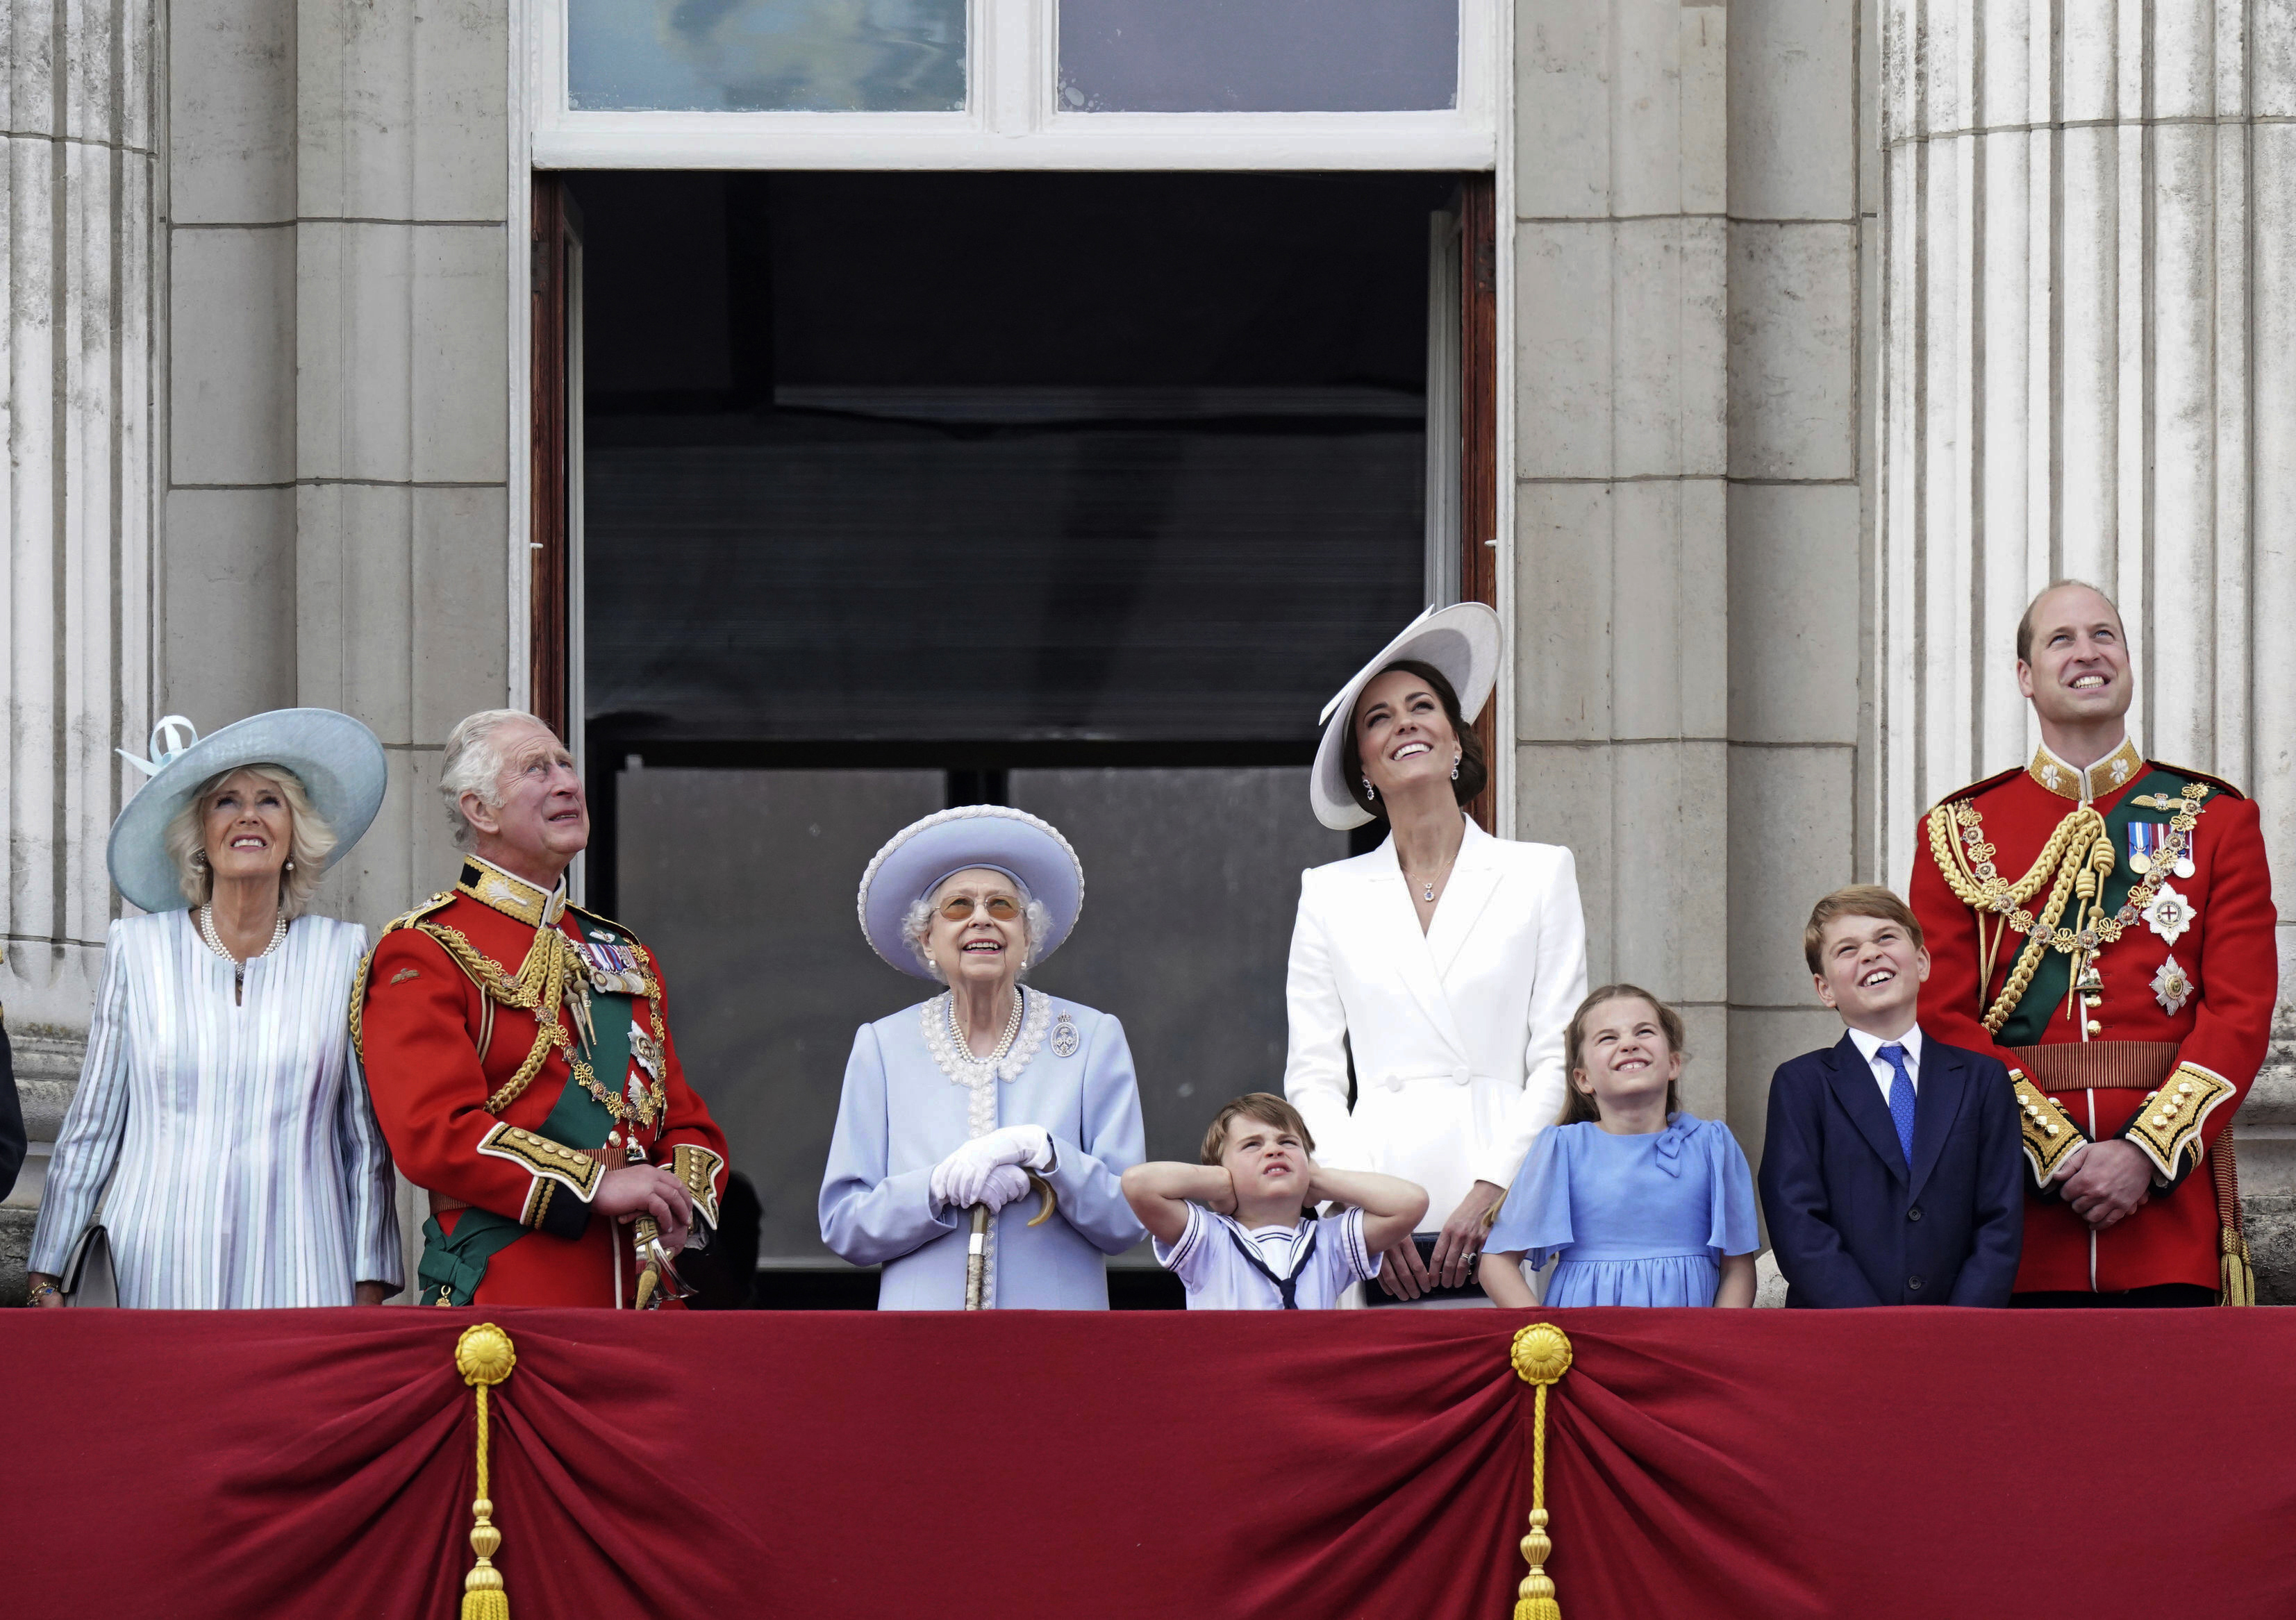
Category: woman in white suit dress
[1445,961]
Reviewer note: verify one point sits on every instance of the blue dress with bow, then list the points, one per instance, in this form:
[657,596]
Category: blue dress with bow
[1636,1220]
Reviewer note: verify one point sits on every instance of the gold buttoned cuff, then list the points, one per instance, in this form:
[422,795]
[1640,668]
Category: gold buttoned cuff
[697,1167]
[2049,1134]
[2166,1130]
[552,1164]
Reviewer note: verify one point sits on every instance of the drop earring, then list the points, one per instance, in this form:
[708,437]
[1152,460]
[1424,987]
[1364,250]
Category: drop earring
[1455,768]
[1369,791]
[291,865]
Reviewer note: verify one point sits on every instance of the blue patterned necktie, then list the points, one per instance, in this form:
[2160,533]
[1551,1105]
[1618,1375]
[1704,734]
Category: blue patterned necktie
[1901,1099]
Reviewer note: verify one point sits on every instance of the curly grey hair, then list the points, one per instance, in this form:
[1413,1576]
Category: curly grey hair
[916,924]
[474,763]
[310,839]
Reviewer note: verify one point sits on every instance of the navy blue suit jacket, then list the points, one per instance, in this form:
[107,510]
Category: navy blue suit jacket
[1851,1223]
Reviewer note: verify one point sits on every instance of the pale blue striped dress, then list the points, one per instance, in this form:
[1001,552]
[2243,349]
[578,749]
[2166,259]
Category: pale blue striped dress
[231,1147]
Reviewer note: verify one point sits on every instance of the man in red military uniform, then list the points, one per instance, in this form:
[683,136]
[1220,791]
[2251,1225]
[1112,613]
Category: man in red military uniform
[2102,924]
[518,1051]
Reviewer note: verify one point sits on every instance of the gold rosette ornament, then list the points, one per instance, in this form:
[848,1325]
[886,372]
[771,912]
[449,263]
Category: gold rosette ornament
[1540,1355]
[484,1357]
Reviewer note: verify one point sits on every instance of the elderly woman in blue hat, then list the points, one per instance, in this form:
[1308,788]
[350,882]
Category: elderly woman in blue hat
[221,1146]
[990,1095]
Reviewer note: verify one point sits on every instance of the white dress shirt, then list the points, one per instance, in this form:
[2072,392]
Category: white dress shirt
[1870,1045]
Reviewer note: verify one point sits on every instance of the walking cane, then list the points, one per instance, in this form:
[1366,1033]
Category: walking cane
[976,1254]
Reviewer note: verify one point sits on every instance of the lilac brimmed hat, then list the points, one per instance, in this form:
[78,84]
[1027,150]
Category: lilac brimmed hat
[923,855]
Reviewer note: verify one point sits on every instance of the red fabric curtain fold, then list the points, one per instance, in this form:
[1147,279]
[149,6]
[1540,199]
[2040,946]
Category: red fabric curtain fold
[1879,1463]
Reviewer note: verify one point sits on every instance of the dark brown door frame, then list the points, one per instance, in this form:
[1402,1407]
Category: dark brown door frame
[550,454]
[1478,458]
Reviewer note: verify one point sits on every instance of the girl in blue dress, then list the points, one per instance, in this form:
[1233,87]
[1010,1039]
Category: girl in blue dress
[1643,1204]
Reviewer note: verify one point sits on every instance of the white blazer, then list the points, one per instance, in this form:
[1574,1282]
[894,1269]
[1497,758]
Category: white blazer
[1456,1033]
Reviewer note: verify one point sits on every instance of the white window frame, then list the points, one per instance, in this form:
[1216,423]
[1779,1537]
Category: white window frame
[1013,119]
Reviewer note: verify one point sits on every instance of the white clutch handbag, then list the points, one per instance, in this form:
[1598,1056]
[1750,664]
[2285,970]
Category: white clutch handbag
[87,1278]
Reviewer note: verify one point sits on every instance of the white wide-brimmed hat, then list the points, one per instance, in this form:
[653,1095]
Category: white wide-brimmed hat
[1461,641]
[337,759]
[922,856]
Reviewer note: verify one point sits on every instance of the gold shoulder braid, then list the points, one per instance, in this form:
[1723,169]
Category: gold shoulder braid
[2079,856]
[405,919]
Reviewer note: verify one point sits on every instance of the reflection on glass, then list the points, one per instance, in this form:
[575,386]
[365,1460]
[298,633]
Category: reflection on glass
[1258,55]
[765,56]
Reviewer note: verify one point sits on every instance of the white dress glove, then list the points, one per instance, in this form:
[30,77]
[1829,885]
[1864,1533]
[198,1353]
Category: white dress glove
[1005,1184]
[962,1178]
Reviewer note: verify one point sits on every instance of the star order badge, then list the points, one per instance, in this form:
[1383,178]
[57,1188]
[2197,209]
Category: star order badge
[2172,987]
[2169,914]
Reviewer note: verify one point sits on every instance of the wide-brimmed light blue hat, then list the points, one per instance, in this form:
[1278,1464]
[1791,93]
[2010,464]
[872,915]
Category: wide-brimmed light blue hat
[337,759]
[922,856]
[1461,641]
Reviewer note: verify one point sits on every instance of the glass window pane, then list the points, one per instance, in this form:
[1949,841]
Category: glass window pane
[765,56]
[1192,883]
[741,882]
[1258,55]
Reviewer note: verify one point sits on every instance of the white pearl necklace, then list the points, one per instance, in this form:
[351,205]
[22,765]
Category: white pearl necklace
[1012,1031]
[215,941]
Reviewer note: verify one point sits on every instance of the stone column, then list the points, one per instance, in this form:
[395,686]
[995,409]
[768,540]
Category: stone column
[76,365]
[2089,369]
[1620,455]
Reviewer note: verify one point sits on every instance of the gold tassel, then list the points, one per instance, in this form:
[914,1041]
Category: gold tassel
[483,1355]
[2236,1273]
[1541,1355]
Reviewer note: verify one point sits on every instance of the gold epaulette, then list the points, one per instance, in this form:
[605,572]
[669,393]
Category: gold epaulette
[2050,1134]
[2216,783]
[623,929]
[405,919]
[2168,1127]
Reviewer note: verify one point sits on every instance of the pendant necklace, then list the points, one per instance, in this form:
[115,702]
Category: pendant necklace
[1427,889]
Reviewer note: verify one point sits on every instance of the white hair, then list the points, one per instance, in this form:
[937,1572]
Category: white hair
[474,763]
[1036,926]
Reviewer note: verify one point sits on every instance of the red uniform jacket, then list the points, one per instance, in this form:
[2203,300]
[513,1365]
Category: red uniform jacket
[2183,997]
[438,1047]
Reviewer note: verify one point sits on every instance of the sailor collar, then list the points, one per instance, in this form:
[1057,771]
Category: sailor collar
[510,895]
[2109,774]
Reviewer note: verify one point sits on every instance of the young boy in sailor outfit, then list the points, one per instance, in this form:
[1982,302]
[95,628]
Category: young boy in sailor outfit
[1235,1228]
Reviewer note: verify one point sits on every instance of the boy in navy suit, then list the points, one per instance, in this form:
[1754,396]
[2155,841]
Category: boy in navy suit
[1891,1170]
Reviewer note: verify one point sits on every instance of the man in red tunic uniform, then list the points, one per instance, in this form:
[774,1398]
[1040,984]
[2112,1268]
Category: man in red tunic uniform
[2102,924]
[518,1051]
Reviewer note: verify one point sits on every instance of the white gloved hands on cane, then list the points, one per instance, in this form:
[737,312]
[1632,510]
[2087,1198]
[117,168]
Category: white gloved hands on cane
[963,1177]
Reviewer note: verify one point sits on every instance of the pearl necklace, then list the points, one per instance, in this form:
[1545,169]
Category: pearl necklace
[1011,1031]
[215,941]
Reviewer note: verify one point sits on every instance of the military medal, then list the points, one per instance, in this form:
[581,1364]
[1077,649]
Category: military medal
[2144,842]
[2169,914]
[2172,987]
